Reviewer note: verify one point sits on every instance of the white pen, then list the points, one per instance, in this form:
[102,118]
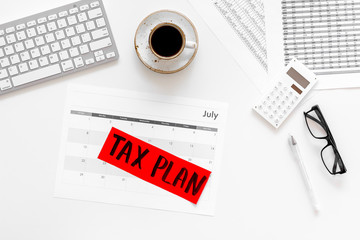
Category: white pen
[310,189]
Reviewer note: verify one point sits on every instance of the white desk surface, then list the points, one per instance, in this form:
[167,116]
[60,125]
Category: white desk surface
[261,195]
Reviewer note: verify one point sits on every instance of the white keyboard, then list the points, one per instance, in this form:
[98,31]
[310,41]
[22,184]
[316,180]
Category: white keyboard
[54,43]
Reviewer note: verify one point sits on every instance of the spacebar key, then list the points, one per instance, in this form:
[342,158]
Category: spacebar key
[36,75]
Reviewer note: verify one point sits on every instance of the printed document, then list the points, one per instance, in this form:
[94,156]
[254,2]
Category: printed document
[190,129]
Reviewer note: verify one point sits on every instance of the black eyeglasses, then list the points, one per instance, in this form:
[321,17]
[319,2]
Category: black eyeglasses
[319,129]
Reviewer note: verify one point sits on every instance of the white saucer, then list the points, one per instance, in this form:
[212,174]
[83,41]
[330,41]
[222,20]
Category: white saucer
[144,52]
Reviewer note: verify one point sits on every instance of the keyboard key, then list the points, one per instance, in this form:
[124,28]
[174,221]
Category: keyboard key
[4,62]
[100,22]
[25,56]
[43,61]
[102,43]
[82,17]
[35,53]
[60,34]
[110,55]
[95,13]
[31,23]
[100,33]
[14,59]
[73,10]
[9,50]
[80,28]
[67,65]
[33,64]
[45,50]
[39,41]
[63,14]
[90,25]
[10,38]
[31,32]
[84,49]
[86,37]
[75,41]
[3,73]
[29,44]
[2,32]
[20,27]
[55,47]
[100,58]
[78,62]
[98,53]
[72,20]
[64,55]
[52,17]
[89,61]
[51,26]
[41,20]
[5,84]
[74,52]
[23,67]
[50,38]
[13,70]
[94,4]
[2,52]
[21,35]
[70,31]
[84,7]
[41,29]
[65,44]
[36,75]
[10,30]
[53,58]
[61,23]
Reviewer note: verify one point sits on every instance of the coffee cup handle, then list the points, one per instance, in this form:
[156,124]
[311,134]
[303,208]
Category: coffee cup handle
[190,44]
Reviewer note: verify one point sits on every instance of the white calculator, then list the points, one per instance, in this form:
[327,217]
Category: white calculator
[284,95]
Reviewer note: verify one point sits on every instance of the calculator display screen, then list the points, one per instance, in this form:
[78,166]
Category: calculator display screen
[298,78]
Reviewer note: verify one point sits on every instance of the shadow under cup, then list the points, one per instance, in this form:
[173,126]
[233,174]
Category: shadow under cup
[167,41]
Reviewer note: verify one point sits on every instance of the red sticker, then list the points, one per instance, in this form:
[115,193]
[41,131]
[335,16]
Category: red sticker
[154,165]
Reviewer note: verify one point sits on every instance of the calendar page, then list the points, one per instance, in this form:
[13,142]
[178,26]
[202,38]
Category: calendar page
[190,129]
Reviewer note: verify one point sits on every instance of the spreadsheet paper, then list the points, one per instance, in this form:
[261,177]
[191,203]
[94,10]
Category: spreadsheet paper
[240,26]
[190,129]
[323,34]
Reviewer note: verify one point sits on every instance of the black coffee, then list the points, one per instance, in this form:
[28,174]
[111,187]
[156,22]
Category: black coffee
[166,41]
